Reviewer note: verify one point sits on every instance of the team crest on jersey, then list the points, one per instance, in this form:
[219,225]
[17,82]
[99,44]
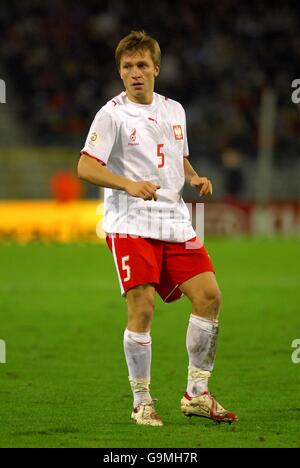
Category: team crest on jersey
[133,137]
[177,132]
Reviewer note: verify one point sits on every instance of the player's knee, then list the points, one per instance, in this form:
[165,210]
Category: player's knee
[213,297]
[210,297]
[217,297]
[141,305]
[140,317]
[145,308]
[145,315]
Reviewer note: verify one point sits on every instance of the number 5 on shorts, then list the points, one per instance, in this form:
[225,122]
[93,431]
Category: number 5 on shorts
[126,267]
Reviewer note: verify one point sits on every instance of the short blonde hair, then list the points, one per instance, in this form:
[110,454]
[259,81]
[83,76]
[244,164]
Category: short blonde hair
[136,41]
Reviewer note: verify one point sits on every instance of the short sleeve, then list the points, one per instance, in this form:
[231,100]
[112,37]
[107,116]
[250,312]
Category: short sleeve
[101,137]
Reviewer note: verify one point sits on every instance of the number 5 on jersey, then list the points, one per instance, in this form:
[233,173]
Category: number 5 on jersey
[160,155]
[126,268]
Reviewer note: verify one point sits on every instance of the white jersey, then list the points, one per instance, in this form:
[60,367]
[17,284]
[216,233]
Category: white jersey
[143,142]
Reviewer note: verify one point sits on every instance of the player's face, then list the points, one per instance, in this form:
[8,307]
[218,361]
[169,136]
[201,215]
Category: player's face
[138,73]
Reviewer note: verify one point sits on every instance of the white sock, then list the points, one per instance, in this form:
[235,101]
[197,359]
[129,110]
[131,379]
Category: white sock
[201,341]
[137,348]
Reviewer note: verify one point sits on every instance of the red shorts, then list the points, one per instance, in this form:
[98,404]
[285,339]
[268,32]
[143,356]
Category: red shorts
[141,260]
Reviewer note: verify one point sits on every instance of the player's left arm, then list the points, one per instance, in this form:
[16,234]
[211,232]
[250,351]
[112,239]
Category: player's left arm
[202,185]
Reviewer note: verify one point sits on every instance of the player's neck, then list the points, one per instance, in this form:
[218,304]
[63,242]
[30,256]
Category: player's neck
[143,99]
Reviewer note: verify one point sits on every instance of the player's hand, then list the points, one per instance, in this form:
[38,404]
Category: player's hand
[143,189]
[202,185]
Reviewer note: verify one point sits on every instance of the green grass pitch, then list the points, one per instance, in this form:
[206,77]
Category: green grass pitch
[65,380]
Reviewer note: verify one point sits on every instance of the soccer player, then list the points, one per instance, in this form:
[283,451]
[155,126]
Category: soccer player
[137,149]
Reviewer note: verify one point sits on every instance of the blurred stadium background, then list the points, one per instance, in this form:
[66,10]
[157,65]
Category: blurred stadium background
[231,64]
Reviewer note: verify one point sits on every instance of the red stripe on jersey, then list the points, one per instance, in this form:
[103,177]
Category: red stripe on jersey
[93,157]
[186,156]
[114,100]
[166,98]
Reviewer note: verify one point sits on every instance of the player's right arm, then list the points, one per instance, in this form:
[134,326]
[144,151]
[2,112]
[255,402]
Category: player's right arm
[96,153]
[91,170]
